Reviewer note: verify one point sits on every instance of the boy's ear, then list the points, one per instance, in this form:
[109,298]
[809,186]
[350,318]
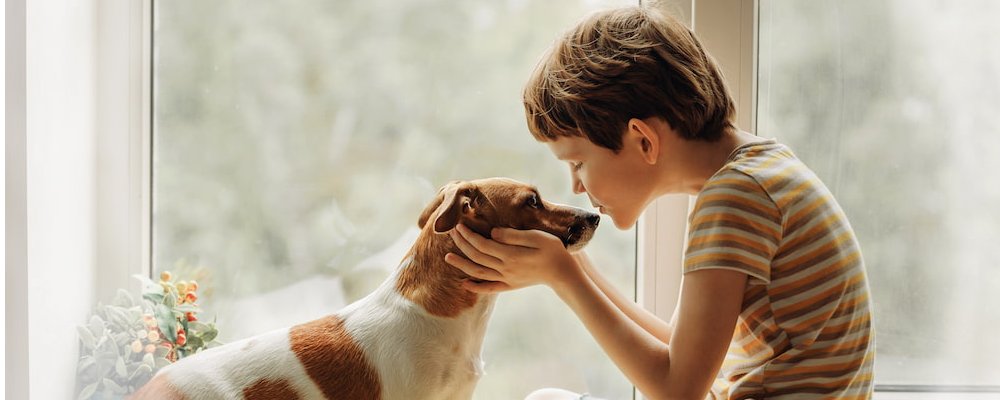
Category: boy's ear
[646,137]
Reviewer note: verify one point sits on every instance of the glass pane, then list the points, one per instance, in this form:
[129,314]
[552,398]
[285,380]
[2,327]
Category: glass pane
[296,143]
[894,104]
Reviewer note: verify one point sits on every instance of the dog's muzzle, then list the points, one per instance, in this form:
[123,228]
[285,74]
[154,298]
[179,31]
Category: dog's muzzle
[581,228]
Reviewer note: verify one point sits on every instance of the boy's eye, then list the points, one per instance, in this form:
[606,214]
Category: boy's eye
[576,165]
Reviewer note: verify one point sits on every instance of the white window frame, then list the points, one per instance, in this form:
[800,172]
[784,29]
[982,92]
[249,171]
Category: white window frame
[125,99]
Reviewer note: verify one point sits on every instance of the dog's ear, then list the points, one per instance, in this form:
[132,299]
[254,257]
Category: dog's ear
[433,206]
[452,202]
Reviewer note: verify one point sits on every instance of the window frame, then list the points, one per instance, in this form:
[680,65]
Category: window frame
[126,43]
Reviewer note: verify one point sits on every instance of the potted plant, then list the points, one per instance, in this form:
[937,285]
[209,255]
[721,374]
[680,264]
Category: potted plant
[126,342]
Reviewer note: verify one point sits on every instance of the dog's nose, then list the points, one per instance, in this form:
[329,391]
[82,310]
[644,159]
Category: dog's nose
[593,219]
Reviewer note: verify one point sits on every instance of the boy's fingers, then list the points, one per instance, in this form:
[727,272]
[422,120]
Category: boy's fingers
[470,268]
[515,237]
[485,286]
[482,244]
[473,253]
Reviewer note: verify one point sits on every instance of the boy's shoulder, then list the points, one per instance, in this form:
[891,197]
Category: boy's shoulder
[766,177]
[766,166]
[748,167]
[769,176]
[760,157]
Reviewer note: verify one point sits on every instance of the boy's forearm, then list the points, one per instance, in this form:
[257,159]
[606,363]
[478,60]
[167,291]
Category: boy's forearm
[642,357]
[646,319]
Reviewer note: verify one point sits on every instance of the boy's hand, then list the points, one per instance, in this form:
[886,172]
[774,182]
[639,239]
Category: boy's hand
[512,260]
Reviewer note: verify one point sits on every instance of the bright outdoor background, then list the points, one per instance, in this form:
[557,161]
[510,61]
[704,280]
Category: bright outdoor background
[296,142]
[896,105]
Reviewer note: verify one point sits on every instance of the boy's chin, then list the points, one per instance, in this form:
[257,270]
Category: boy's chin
[622,223]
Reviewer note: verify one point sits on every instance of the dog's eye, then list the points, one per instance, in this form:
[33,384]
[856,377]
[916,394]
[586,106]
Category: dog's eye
[533,202]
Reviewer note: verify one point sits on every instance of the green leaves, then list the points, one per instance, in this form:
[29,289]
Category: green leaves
[87,337]
[88,391]
[167,322]
[205,332]
[107,365]
[186,308]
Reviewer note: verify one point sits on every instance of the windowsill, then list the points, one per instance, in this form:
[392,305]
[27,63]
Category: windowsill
[933,396]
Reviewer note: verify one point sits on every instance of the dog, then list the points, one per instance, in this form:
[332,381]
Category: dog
[419,335]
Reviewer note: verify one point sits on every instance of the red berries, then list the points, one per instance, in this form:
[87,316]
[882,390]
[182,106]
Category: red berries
[186,293]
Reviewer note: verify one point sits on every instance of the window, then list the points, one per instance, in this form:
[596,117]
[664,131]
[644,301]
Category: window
[295,144]
[893,104]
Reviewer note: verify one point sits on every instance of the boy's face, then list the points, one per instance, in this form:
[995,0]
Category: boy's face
[619,185]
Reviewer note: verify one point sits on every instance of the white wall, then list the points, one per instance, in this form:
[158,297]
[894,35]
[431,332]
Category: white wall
[60,171]
[15,294]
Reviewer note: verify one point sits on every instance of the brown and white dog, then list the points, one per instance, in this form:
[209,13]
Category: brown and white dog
[418,336]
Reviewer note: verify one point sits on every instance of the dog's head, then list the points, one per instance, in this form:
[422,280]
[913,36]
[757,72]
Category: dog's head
[500,202]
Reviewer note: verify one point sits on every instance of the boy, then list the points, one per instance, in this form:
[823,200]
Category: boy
[774,302]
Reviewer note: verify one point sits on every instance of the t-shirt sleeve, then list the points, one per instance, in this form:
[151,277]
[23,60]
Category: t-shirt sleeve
[734,225]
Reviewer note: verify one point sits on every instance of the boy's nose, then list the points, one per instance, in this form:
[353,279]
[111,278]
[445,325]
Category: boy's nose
[578,186]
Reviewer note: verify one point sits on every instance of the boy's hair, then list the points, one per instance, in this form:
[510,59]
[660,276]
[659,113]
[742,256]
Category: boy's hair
[618,64]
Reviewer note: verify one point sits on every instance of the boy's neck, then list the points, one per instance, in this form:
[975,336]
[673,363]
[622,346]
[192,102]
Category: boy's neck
[707,158]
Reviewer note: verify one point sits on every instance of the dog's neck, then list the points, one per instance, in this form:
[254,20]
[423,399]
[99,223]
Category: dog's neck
[426,279]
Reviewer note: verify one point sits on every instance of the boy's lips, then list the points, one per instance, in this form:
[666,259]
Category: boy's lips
[598,206]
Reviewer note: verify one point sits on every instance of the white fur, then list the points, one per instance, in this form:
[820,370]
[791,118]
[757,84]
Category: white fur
[413,350]
[223,372]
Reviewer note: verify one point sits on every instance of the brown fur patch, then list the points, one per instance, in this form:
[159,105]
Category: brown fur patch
[430,282]
[334,361]
[270,389]
[158,388]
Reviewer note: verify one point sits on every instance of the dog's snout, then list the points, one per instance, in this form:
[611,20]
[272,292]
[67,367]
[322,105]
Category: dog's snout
[581,230]
[584,222]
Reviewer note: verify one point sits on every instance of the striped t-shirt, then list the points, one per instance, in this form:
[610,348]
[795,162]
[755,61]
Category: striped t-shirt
[805,329]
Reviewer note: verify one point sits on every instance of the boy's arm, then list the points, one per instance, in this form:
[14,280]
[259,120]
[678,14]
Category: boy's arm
[646,319]
[684,369]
